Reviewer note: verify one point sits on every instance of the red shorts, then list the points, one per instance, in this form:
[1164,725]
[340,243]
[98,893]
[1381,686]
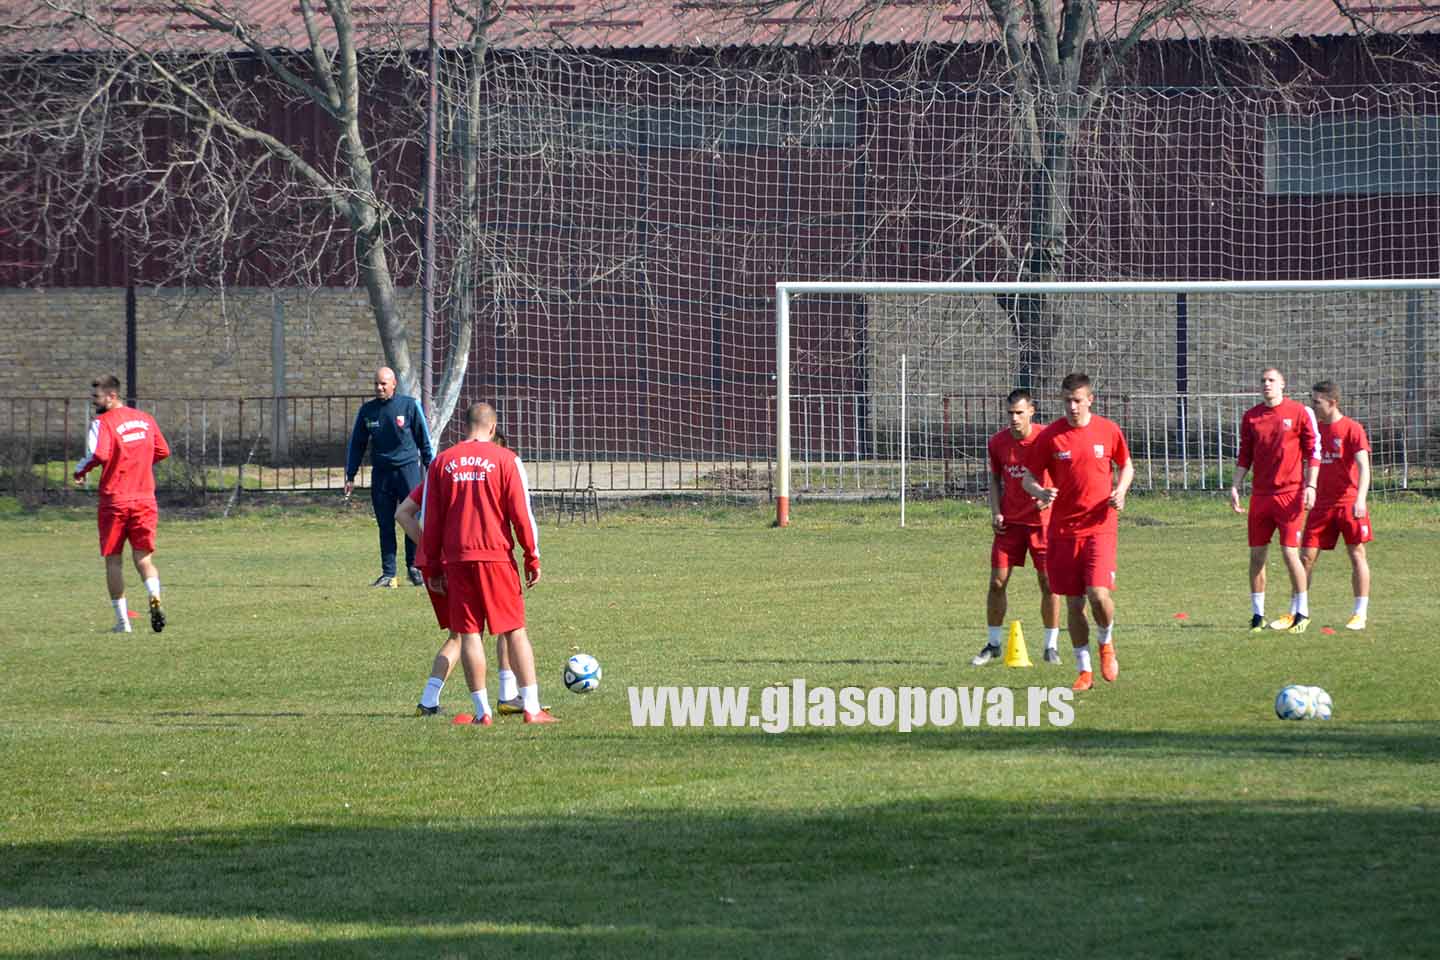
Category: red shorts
[133,520]
[1272,511]
[484,593]
[1326,525]
[1074,563]
[1008,549]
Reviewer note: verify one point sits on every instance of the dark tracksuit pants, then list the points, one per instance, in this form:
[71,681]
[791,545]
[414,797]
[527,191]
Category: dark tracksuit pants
[389,486]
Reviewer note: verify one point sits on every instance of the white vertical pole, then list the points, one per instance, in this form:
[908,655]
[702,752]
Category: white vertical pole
[782,406]
[904,441]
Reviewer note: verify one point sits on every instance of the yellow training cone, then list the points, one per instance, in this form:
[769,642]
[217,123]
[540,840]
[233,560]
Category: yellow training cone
[1015,653]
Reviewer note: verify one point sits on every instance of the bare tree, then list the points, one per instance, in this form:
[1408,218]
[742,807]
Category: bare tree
[228,152]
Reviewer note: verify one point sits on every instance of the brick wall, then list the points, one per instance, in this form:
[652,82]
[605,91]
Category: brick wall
[189,344]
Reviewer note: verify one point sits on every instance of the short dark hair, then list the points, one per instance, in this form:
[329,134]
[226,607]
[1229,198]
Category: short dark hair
[1018,394]
[1327,389]
[109,383]
[1074,381]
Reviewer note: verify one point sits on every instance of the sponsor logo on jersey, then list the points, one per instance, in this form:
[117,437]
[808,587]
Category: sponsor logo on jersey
[1062,454]
[1288,423]
[372,424]
[1099,451]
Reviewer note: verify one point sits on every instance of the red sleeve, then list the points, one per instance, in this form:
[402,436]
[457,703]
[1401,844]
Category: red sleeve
[418,494]
[1309,437]
[522,518]
[432,514]
[1246,456]
[162,449]
[1359,438]
[1121,456]
[1037,461]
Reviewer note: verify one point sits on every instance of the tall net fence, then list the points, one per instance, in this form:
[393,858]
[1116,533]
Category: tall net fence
[637,217]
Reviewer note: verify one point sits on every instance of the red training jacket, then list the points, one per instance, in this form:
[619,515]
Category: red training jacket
[476,493]
[128,443]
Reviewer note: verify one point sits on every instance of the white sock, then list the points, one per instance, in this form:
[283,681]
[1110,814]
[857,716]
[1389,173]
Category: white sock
[482,701]
[1362,606]
[509,689]
[122,610]
[1302,603]
[1105,634]
[1082,659]
[431,697]
[1052,638]
[152,586]
[1257,603]
[531,697]
[996,636]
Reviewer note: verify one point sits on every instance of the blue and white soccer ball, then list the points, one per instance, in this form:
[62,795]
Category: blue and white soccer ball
[1294,702]
[582,673]
[1320,705]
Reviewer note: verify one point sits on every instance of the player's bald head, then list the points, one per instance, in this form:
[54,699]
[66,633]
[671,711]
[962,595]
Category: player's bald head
[480,416]
[384,383]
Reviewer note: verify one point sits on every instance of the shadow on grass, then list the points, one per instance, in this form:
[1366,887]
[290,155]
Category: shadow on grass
[950,876]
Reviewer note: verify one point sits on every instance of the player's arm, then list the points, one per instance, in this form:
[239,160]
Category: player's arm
[997,517]
[1362,460]
[431,522]
[420,430]
[408,516]
[522,521]
[1243,458]
[1310,450]
[355,452]
[1122,489]
[1032,486]
[97,450]
[162,448]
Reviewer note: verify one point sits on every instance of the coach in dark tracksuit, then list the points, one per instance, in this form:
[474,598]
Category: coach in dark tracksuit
[394,428]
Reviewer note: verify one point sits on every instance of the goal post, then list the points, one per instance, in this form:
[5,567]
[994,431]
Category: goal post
[1174,362]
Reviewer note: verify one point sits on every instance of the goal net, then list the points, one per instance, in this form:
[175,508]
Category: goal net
[1175,364]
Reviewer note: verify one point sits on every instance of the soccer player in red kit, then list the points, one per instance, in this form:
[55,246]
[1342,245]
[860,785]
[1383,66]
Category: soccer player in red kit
[1019,526]
[477,504]
[126,444]
[1280,440]
[1341,490]
[1089,463]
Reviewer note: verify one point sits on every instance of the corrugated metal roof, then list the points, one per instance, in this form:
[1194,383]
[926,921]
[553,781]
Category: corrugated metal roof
[594,24]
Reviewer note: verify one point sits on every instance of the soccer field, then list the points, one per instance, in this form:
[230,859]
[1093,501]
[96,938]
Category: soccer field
[251,782]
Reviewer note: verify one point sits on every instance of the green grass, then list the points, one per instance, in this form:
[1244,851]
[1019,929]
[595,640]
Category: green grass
[250,782]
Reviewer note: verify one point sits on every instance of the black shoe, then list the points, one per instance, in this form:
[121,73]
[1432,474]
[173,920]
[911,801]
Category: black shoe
[423,711]
[416,577]
[1301,622]
[1052,655]
[157,616]
[987,653]
[384,580]
[1257,623]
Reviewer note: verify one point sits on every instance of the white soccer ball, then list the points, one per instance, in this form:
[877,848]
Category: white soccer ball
[1320,705]
[1293,702]
[582,673]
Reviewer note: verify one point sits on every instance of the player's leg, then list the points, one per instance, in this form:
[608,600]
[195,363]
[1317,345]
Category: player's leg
[145,566]
[472,660]
[141,522]
[1049,600]
[1299,596]
[1258,556]
[115,583]
[1360,583]
[1079,640]
[410,478]
[383,500]
[509,702]
[1102,607]
[995,609]
[445,659]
